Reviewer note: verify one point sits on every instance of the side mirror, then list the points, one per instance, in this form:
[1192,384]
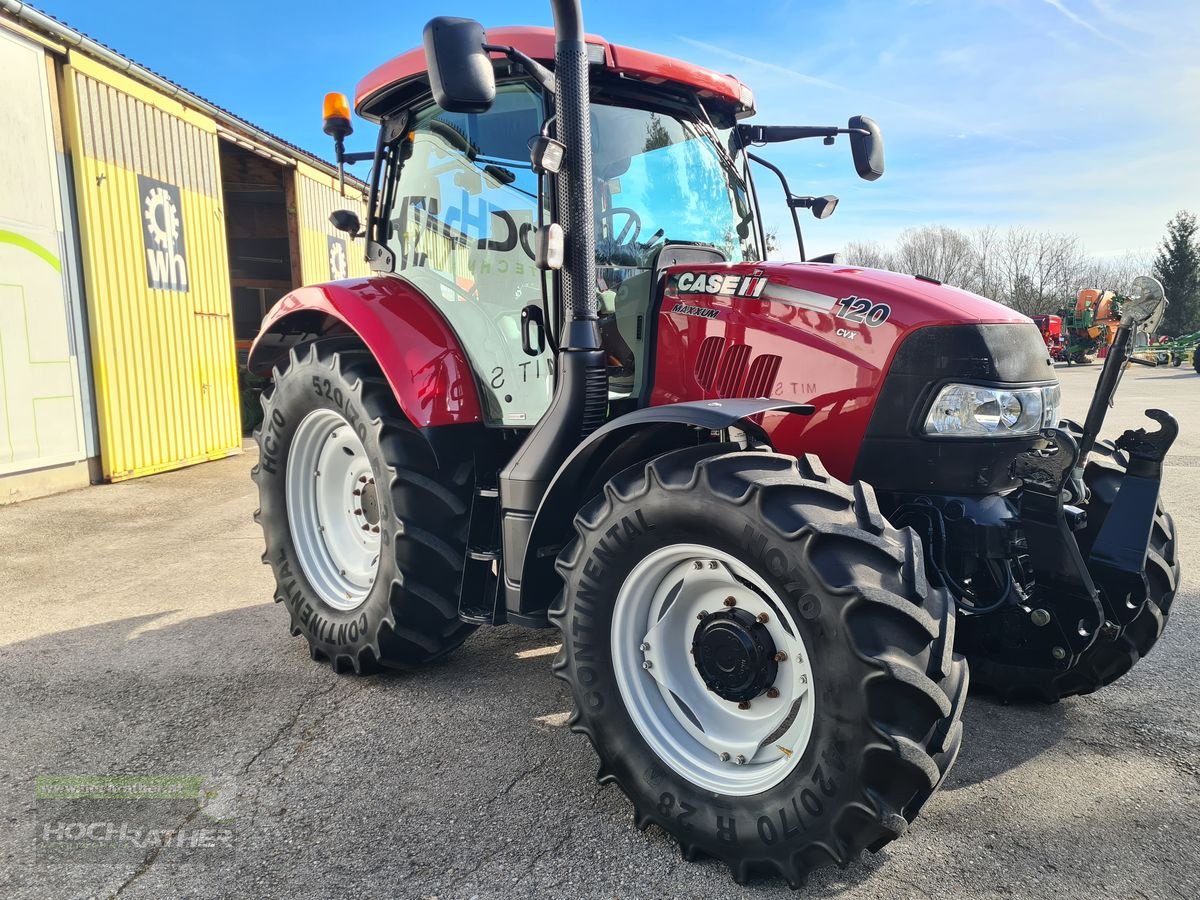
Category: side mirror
[460,70]
[347,221]
[866,143]
[1145,303]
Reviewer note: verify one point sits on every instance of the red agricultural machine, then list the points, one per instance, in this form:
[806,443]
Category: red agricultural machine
[1051,328]
[769,506]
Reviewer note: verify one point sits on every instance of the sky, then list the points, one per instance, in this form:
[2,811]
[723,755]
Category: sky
[1078,116]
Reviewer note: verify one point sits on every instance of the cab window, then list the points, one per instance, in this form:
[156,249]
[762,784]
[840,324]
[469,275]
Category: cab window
[461,216]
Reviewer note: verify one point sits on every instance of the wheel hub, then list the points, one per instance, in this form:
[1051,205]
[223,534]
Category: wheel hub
[734,654]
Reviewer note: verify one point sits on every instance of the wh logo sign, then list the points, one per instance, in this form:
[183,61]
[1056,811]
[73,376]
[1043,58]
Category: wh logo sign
[162,234]
[339,266]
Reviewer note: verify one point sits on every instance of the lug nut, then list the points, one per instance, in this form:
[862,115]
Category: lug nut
[375,528]
[358,512]
[362,479]
[1059,653]
[366,528]
[780,656]
[697,565]
[644,646]
[1039,617]
[763,618]
[647,664]
[701,614]
[713,564]
[744,704]
[731,601]
[725,757]
[1109,630]
[772,693]
[741,760]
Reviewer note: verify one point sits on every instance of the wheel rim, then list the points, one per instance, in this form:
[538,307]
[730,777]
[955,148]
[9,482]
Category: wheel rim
[670,599]
[333,509]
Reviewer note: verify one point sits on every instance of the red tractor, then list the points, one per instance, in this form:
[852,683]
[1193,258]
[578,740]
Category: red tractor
[769,506]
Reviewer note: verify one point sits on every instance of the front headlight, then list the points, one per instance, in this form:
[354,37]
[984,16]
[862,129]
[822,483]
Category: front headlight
[969,410]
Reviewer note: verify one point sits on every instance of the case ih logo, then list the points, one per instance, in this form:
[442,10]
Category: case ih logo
[338,267]
[716,283]
[162,235]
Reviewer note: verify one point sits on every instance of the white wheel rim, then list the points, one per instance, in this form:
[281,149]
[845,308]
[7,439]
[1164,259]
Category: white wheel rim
[692,729]
[333,509]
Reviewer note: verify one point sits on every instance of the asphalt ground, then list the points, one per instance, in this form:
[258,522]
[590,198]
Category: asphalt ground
[137,637]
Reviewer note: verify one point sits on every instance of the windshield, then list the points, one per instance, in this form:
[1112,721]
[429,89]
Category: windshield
[661,178]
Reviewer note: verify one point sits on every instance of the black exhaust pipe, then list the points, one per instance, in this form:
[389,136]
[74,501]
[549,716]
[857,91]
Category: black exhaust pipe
[580,403]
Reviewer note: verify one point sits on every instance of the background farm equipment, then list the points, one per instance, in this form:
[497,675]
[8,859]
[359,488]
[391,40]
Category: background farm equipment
[1091,325]
[1051,328]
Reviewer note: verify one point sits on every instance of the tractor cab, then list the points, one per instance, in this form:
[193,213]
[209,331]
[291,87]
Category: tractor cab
[457,206]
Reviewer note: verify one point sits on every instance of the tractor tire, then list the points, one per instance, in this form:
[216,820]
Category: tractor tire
[696,579]
[367,561]
[1109,657]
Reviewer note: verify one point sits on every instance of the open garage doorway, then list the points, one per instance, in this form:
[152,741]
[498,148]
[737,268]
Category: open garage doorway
[264,251]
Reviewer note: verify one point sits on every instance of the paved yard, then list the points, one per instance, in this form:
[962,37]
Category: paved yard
[137,636]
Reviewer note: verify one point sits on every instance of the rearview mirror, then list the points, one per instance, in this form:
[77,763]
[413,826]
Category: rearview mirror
[460,70]
[866,143]
[345,220]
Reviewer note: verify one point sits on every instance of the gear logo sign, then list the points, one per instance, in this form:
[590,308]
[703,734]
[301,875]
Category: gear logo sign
[161,208]
[339,266]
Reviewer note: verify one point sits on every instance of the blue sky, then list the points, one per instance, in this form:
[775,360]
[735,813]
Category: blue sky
[1072,115]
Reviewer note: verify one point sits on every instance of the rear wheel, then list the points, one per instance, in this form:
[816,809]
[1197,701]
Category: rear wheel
[364,531]
[757,659]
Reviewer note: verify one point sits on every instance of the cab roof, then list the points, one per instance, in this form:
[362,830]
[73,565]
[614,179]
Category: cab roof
[375,91]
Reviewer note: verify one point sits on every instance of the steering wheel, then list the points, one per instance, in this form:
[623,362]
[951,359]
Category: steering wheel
[633,223]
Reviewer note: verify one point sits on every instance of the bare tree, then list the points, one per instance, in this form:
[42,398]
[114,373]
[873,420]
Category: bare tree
[868,254]
[935,251]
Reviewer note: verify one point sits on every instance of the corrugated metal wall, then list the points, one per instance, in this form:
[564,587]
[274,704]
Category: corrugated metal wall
[326,253]
[149,202]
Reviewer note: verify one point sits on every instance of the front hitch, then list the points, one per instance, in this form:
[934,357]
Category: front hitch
[1118,557]
[1060,616]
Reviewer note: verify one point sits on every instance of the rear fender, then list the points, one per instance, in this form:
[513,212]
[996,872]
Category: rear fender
[420,356]
[625,441]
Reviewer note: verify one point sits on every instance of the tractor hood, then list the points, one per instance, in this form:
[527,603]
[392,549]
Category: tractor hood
[839,337]
[850,295]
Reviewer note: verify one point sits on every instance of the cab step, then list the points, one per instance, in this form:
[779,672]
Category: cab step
[480,601]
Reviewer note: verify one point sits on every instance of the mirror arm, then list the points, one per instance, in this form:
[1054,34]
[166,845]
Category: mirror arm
[787,192]
[774,134]
[543,75]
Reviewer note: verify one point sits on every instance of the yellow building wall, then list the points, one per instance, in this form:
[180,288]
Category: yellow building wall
[163,359]
[322,245]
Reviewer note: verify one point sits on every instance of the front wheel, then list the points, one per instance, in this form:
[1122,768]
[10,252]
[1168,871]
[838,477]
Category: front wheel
[757,659]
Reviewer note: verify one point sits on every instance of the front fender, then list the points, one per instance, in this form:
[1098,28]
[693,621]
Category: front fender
[420,356]
[625,441]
